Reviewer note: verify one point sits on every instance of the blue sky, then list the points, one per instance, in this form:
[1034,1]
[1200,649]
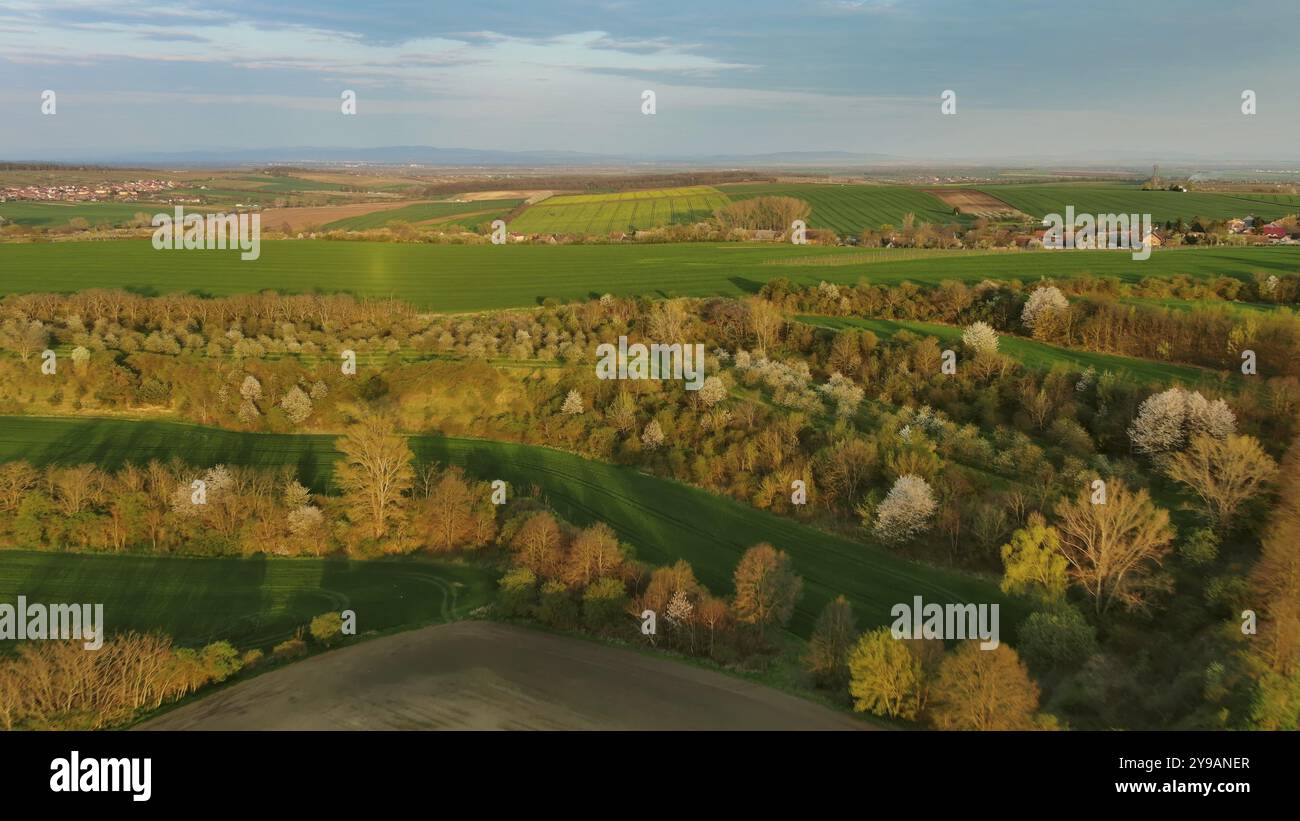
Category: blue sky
[1033,79]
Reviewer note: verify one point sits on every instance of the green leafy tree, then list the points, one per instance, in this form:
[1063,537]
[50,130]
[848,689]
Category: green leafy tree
[1059,638]
[1033,563]
[886,678]
[604,605]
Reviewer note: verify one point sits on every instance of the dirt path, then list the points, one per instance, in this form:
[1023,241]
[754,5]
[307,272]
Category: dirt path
[481,675]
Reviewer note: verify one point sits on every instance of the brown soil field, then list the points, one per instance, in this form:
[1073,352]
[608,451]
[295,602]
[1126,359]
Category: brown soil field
[970,201]
[300,218]
[475,196]
[478,675]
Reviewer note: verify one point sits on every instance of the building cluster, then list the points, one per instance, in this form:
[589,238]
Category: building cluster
[128,191]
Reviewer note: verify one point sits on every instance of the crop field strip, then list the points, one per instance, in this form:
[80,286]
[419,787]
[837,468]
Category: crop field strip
[459,278]
[664,520]
[600,214]
[250,601]
[848,209]
[1163,206]
[58,214]
[420,212]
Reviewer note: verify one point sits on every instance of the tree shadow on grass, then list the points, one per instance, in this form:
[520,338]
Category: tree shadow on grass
[748,286]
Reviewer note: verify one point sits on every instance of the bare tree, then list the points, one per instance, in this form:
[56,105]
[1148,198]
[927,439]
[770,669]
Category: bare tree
[1114,548]
[376,472]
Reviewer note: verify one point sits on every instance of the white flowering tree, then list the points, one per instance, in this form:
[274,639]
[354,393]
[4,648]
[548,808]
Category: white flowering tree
[980,338]
[846,395]
[80,358]
[653,435]
[906,510]
[296,405]
[712,391]
[1044,301]
[679,609]
[1167,420]
[251,389]
[572,403]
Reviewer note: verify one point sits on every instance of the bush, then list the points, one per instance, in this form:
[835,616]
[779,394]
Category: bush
[1200,548]
[557,608]
[1057,639]
[603,605]
[518,593]
[326,627]
[289,648]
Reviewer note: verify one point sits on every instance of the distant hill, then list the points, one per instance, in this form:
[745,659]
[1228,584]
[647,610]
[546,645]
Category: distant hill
[434,156]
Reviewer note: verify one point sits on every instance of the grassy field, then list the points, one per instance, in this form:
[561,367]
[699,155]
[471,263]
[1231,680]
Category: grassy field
[58,214]
[251,602]
[1206,304]
[1031,353]
[482,277]
[1163,206]
[848,209]
[662,519]
[487,210]
[601,214]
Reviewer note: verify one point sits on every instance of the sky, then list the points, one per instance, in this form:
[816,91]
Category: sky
[1095,81]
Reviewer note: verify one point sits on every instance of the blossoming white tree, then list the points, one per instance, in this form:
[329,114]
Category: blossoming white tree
[712,391]
[653,435]
[296,405]
[846,395]
[572,403]
[980,337]
[1167,420]
[906,510]
[1045,300]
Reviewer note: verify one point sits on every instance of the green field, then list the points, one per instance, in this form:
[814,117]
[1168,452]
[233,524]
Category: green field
[423,211]
[251,602]
[1031,353]
[662,519]
[601,214]
[1206,304]
[848,209]
[58,214]
[483,277]
[1039,200]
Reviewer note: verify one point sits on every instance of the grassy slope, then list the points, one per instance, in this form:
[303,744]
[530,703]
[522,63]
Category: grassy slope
[482,277]
[663,520]
[251,602]
[1039,200]
[847,209]
[1032,353]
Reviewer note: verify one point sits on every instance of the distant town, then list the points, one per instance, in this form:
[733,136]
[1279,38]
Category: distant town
[128,191]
